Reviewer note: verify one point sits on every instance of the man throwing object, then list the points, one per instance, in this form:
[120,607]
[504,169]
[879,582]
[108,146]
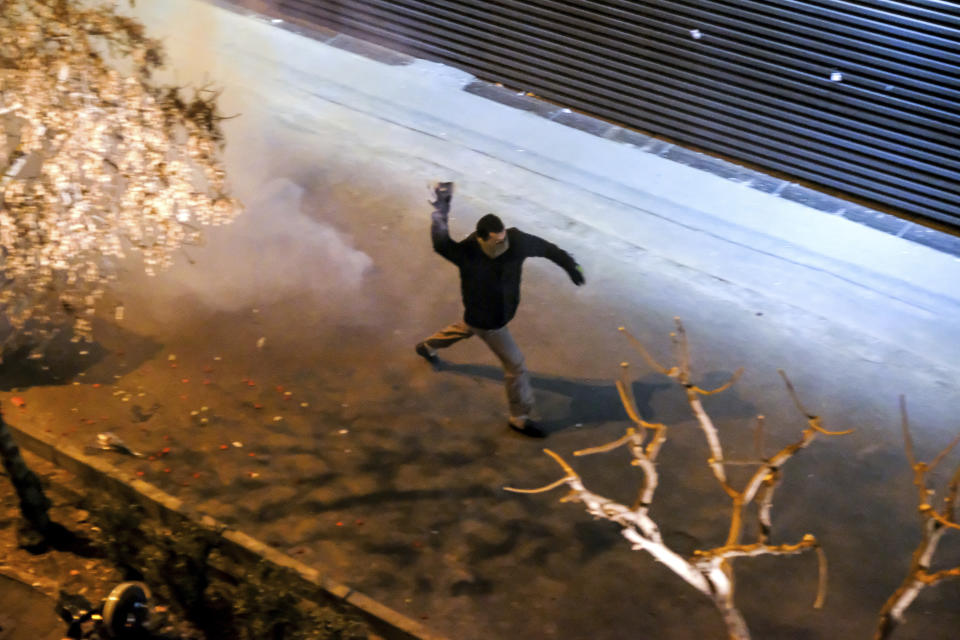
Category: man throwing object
[490,262]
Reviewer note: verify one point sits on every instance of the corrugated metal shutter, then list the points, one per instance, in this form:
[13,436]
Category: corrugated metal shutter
[861,96]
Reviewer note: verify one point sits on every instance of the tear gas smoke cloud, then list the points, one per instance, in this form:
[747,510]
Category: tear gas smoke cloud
[272,252]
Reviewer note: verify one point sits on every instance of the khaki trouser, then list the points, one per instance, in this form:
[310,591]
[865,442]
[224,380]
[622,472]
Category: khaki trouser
[516,378]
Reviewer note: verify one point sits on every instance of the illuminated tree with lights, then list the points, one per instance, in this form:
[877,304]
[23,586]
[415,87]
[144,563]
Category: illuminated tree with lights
[100,161]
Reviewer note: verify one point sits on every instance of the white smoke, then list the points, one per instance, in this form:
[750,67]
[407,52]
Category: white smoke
[271,252]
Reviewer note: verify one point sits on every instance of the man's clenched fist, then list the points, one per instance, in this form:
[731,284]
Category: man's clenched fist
[442,193]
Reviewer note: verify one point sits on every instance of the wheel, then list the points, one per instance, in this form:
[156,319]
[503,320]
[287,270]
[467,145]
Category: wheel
[126,609]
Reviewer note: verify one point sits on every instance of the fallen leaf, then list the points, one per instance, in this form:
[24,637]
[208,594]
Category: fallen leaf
[18,401]
[224,446]
[185,380]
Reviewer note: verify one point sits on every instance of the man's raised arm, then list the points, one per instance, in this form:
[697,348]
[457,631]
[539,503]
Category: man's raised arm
[439,231]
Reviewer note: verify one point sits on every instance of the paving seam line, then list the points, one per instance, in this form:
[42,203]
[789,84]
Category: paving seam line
[169,509]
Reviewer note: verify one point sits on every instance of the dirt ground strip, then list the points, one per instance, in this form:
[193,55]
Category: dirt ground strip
[76,567]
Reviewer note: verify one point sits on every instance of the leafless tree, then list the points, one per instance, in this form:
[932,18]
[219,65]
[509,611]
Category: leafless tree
[709,571]
[935,523]
[97,160]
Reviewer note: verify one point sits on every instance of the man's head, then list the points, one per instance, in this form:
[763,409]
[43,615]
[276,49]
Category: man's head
[491,235]
[489,224]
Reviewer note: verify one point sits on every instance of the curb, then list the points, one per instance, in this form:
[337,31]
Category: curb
[237,545]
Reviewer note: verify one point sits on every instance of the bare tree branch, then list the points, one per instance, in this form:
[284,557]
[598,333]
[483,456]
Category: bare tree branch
[907,440]
[726,385]
[656,366]
[943,454]
[935,526]
[709,571]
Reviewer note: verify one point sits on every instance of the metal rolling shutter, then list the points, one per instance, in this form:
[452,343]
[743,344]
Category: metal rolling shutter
[862,95]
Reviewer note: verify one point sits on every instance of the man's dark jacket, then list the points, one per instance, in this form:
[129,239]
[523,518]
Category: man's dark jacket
[490,287]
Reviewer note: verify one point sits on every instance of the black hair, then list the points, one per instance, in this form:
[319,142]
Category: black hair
[488,224]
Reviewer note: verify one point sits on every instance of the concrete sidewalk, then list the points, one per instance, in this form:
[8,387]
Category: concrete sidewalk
[336,444]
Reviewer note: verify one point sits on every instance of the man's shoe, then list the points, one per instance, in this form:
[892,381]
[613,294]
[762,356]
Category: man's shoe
[425,353]
[529,428]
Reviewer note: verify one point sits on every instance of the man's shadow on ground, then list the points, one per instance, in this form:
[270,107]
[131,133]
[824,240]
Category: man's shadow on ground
[591,402]
[594,402]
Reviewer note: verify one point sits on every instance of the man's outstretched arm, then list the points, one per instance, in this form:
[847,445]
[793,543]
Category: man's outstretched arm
[537,247]
[439,230]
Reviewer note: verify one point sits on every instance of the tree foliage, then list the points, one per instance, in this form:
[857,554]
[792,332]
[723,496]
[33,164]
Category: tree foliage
[99,161]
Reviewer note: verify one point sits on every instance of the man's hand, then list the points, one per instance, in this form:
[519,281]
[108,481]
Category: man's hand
[577,276]
[442,193]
